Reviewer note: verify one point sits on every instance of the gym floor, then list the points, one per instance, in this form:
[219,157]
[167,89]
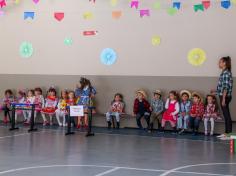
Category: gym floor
[124,152]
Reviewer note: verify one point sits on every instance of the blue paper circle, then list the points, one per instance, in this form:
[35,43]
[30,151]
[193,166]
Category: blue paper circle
[108,56]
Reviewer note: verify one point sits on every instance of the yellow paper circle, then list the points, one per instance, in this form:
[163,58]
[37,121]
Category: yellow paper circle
[196,57]
[156,40]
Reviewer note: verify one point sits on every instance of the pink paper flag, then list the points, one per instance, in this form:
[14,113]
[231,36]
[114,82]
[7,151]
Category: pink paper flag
[59,15]
[134,4]
[145,12]
[92,1]
[36,1]
[206,4]
[2,3]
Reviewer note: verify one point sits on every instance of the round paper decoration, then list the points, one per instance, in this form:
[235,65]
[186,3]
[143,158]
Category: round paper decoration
[108,56]
[26,50]
[196,57]
[68,41]
[156,40]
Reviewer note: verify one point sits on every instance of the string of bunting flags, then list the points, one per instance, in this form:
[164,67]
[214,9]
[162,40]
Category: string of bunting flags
[171,9]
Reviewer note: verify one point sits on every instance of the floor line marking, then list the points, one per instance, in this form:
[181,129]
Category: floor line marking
[114,168]
[108,171]
[195,165]
[22,134]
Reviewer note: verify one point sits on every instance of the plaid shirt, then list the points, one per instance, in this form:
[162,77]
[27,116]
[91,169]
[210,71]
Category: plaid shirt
[197,110]
[225,83]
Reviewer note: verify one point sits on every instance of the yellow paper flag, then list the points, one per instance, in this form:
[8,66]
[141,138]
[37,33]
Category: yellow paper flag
[156,40]
[88,15]
[233,2]
[113,3]
[17,1]
[196,57]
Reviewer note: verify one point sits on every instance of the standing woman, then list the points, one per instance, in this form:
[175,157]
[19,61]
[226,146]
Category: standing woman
[224,91]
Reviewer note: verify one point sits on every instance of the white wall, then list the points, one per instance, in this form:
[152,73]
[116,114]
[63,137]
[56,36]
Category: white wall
[213,30]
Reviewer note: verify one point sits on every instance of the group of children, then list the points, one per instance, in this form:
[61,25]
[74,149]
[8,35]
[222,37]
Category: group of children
[50,106]
[184,110]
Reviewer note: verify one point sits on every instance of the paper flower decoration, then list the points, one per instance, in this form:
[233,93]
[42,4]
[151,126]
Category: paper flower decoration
[68,41]
[156,40]
[26,49]
[196,57]
[108,56]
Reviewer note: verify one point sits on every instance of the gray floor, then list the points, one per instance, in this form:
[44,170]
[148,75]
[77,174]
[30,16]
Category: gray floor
[49,152]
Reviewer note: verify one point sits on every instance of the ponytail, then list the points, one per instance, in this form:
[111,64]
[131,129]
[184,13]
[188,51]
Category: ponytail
[227,61]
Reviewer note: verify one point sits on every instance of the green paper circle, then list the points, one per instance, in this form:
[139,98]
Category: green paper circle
[26,49]
[68,41]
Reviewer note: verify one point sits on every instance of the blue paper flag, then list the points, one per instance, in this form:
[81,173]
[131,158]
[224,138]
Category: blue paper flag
[28,15]
[225,4]
[177,5]
[108,56]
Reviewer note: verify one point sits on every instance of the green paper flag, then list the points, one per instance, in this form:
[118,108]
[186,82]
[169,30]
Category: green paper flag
[68,41]
[172,11]
[157,5]
[26,50]
[198,7]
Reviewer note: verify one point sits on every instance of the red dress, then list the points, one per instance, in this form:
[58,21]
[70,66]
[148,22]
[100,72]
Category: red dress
[167,114]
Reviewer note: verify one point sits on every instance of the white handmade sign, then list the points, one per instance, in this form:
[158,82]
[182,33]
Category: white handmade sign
[76,111]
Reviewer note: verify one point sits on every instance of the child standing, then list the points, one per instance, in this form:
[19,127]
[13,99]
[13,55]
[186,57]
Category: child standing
[71,102]
[211,113]
[141,108]
[50,106]
[29,100]
[84,94]
[21,98]
[172,110]
[116,108]
[61,108]
[157,108]
[9,98]
[196,112]
[38,101]
[185,107]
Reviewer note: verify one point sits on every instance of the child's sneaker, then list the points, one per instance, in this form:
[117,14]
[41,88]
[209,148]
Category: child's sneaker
[181,131]
[86,127]
[206,133]
[60,124]
[26,122]
[5,120]
[78,126]
[45,123]
[211,133]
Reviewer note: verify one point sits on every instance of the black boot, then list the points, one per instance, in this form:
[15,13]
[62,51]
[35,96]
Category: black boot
[174,130]
[118,125]
[109,125]
[162,130]
[159,125]
[150,128]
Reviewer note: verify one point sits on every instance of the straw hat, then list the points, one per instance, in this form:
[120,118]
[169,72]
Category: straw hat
[197,94]
[142,92]
[157,92]
[185,92]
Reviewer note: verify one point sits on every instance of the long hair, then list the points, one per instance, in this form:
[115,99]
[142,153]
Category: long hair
[84,82]
[214,102]
[175,94]
[227,61]
[8,91]
[117,94]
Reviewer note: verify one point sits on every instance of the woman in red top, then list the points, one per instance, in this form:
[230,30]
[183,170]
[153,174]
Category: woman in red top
[196,112]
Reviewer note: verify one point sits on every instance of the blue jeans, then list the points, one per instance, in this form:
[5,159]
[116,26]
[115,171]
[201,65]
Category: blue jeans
[194,123]
[182,122]
[146,117]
